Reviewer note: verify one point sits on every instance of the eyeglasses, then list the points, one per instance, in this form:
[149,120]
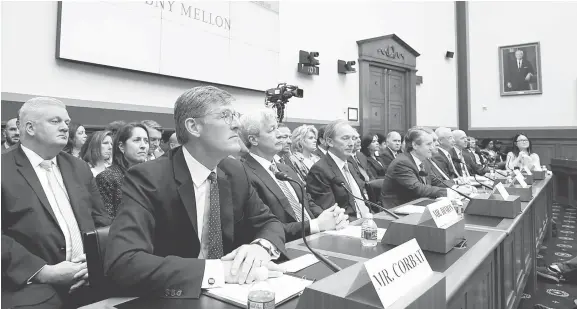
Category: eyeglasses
[522,140]
[227,115]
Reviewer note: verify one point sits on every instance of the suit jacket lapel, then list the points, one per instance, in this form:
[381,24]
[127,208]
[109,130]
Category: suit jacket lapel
[416,168]
[270,183]
[226,206]
[338,173]
[185,188]
[72,189]
[27,171]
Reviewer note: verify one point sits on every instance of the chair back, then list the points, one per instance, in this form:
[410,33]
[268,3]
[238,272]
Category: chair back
[374,190]
[94,246]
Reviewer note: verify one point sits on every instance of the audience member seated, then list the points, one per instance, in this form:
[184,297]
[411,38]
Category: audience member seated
[475,151]
[173,141]
[358,160]
[327,177]
[444,158]
[48,199]
[502,151]
[321,150]
[12,135]
[130,148]
[191,220]
[154,135]
[369,146]
[97,150]
[303,149]
[260,133]
[463,159]
[402,182]
[488,152]
[390,148]
[76,139]
[522,155]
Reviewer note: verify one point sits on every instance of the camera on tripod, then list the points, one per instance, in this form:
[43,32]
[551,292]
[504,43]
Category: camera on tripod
[278,97]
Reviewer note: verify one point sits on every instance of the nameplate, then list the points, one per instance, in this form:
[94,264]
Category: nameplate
[397,271]
[442,212]
[517,173]
[521,179]
[527,170]
[502,191]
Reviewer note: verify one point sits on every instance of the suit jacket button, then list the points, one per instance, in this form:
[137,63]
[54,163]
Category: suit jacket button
[179,292]
[63,249]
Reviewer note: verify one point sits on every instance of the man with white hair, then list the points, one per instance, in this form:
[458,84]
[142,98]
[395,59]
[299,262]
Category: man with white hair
[443,158]
[328,178]
[260,132]
[190,220]
[48,199]
[388,151]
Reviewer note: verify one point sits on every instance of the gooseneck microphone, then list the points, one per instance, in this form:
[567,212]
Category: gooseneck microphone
[482,184]
[425,174]
[328,263]
[342,184]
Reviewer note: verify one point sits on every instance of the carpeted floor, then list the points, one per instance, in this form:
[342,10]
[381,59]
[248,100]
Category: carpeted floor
[557,249]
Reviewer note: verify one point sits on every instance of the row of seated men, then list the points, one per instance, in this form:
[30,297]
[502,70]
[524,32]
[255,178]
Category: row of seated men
[192,219]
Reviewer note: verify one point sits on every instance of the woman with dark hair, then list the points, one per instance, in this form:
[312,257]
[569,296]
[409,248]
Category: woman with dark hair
[522,156]
[130,148]
[97,151]
[369,146]
[76,139]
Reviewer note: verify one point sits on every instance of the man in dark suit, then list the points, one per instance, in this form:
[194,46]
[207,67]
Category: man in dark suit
[191,219]
[283,156]
[283,198]
[327,177]
[321,150]
[466,165]
[48,199]
[519,73]
[433,168]
[443,157]
[12,135]
[402,182]
[389,149]
[359,161]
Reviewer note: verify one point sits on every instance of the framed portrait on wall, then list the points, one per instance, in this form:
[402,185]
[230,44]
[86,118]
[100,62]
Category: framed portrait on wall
[520,69]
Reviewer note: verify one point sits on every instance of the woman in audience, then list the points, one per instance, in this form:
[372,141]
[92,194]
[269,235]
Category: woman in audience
[97,151]
[130,148]
[487,151]
[522,155]
[76,139]
[369,146]
[304,143]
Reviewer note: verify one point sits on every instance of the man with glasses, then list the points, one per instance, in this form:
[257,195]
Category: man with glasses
[190,220]
[328,177]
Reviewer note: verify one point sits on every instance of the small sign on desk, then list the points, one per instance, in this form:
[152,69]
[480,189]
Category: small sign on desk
[442,212]
[395,272]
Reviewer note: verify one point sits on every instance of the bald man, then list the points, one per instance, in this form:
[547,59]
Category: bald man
[434,167]
[11,133]
[443,157]
[173,141]
[466,165]
[389,151]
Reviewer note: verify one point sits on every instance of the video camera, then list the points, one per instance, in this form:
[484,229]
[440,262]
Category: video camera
[279,97]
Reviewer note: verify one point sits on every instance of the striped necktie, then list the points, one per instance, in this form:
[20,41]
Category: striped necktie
[63,211]
[295,205]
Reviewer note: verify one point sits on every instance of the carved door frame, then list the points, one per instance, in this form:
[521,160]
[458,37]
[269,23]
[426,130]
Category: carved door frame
[392,53]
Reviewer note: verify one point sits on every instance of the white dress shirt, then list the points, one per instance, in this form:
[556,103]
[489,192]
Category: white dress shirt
[314,225]
[361,207]
[393,152]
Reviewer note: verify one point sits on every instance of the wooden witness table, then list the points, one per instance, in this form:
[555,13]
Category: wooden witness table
[490,272]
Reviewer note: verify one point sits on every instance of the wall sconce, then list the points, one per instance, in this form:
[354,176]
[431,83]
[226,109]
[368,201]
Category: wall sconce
[353,114]
[449,54]
[345,67]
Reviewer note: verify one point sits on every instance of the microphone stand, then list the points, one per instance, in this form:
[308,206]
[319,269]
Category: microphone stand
[482,184]
[369,202]
[328,263]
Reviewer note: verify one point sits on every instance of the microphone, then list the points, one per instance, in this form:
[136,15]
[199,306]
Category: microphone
[328,263]
[482,184]
[425,174]
[342,184]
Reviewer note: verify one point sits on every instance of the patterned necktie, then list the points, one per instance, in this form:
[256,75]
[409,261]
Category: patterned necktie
[422,168]
[362,209]
[464,166]
[295,205]
[63,210]
[214,237]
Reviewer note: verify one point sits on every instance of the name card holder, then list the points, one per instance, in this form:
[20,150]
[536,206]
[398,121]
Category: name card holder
[351,288]
[529,179]
[539,175]
[494,205]
[428,235]
[525,194]
[499,179]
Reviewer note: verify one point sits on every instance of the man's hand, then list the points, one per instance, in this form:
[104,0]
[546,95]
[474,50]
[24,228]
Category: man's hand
[270,270]
[63,273]
[328,218]
[245,258]
[528,77]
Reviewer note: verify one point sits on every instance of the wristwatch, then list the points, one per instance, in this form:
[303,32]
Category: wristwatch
[270,249]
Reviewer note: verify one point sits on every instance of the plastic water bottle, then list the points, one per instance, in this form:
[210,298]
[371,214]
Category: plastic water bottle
[369,231]
[261,296]
[509,180]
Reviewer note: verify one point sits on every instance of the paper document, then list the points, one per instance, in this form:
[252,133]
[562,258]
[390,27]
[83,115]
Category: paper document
[299,263]
[409,209]
[285,287]
[355,232]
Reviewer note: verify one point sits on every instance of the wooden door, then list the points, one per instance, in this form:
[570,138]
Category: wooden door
[396,103]
[377,101]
